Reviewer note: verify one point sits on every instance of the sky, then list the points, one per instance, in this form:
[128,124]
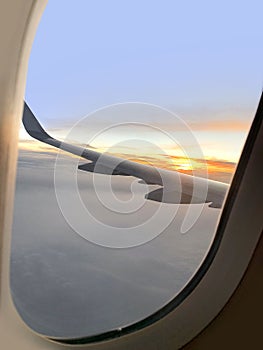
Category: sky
[200,60]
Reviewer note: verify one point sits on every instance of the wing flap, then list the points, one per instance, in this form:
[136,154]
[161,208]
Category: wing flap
[173,197]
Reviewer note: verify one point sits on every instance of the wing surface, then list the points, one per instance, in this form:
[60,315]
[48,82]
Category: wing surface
[175,186]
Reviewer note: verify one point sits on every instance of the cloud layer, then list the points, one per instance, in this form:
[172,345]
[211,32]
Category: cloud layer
[65,286]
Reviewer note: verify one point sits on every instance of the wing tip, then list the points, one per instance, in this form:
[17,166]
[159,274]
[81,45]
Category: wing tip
[32,125]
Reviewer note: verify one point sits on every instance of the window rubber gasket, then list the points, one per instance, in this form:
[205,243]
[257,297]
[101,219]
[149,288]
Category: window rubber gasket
[200,273]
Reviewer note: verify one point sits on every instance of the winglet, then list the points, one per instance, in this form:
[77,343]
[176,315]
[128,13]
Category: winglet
[32,125]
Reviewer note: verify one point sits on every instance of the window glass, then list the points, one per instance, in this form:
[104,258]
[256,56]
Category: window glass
[162,84]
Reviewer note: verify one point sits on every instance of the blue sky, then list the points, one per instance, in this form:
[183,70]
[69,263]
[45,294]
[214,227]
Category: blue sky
[181,55]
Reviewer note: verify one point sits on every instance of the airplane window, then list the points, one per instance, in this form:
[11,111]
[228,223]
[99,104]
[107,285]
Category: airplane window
[135,117]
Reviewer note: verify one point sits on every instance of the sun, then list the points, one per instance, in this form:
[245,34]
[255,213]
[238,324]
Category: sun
[185,167]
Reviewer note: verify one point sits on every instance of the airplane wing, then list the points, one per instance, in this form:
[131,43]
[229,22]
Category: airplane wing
[176,187]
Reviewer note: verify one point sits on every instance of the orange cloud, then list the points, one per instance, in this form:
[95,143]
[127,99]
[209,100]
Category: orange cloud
[218,170]
[220,125]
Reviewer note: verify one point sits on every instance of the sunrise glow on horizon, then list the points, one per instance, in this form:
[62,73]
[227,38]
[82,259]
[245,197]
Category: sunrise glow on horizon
[217,166]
